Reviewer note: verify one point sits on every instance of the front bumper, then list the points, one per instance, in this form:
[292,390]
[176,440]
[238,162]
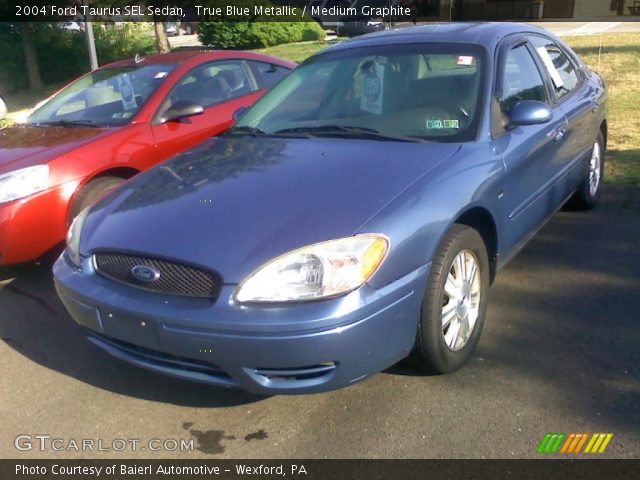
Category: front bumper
[31,226]
[298,348]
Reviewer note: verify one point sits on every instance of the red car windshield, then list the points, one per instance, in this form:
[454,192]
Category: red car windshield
[106,97]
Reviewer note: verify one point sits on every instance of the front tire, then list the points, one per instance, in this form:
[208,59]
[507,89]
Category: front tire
[454,304]
[588,193]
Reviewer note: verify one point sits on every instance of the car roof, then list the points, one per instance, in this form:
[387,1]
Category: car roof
[199,55]
[487,34]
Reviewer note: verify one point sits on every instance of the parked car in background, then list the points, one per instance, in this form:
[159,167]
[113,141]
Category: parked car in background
[361,24]
[328,21]
[189,28]
[73,26]
[109,125]
[3,109]
[172,29]
[354,216]
[352,27]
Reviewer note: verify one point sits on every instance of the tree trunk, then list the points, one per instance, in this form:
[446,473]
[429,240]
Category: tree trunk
[30,56]
[162,42]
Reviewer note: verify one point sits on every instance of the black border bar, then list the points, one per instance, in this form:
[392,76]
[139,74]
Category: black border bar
[14,11]
[583,469]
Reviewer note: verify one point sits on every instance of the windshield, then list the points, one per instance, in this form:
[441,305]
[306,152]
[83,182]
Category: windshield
[418,91]
[106,97]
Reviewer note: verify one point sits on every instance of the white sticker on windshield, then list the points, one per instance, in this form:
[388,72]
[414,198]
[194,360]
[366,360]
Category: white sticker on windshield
[161,74]
[551,68]
[465,60]
[373,88]
[126,90]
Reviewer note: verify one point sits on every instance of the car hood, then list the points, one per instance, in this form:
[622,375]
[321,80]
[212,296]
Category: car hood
[24,145]
[234,203]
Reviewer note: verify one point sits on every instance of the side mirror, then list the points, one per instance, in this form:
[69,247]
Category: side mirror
[238,114]
[529,112]
[181,109]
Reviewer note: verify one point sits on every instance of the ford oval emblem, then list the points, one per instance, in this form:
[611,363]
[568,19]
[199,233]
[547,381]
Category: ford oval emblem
[145,273]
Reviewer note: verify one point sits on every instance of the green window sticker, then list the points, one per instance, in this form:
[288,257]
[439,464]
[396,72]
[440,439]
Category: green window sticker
[442,124]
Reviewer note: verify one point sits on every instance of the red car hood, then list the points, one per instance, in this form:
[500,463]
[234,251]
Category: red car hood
[24,146]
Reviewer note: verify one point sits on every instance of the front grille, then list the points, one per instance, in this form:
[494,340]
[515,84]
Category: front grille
[175,278]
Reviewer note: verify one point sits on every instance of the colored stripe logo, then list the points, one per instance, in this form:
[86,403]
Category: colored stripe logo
[573,443]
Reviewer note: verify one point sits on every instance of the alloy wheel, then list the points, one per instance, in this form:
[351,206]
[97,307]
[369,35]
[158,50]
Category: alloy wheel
[461,301]
[594,170]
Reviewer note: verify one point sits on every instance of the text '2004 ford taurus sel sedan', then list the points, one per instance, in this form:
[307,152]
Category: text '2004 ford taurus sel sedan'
[356,215]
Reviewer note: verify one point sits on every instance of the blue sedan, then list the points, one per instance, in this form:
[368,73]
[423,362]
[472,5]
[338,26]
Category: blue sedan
[355,216]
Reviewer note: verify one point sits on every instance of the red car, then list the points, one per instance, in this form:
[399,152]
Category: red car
[110,125]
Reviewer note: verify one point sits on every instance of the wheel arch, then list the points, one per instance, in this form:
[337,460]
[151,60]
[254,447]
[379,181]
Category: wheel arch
[604,129]
[481,220]
[124,172]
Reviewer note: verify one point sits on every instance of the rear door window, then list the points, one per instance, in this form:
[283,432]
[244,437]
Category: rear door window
[267,74]
[563,73]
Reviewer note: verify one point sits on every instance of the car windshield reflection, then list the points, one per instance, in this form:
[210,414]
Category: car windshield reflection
[107,97]
[406,93]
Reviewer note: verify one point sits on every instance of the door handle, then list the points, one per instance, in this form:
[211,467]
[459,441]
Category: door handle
[560,133]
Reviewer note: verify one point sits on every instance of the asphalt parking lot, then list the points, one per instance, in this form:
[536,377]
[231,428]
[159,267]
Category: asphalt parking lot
[560,353]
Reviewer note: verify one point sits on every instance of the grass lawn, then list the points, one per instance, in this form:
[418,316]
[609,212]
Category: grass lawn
[296,52]
[619,63]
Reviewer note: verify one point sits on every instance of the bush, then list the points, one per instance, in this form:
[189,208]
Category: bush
[117,43]
[257,34]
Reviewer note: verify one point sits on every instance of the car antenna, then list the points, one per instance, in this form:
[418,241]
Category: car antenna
[599,52]
[138,58]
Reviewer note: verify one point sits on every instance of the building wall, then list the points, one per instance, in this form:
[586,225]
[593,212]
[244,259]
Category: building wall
[491,9]
[559,8]
[590,8]
[521,9]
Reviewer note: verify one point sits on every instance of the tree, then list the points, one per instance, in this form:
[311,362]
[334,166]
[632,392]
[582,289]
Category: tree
[30,56]
[162,41]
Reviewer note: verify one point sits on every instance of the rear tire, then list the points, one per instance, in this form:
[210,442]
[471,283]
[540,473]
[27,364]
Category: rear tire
[454,304]
[92,192]
[588,193]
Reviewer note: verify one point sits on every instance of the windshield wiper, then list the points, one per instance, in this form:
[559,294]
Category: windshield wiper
[246,129]
[326,129]
[347,130]
[67,123]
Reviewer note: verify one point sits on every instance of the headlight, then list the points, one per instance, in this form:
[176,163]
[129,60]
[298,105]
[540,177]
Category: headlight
[318,271]
[73,237]
[24,182]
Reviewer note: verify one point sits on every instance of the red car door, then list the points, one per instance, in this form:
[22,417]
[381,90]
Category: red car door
[221,87]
